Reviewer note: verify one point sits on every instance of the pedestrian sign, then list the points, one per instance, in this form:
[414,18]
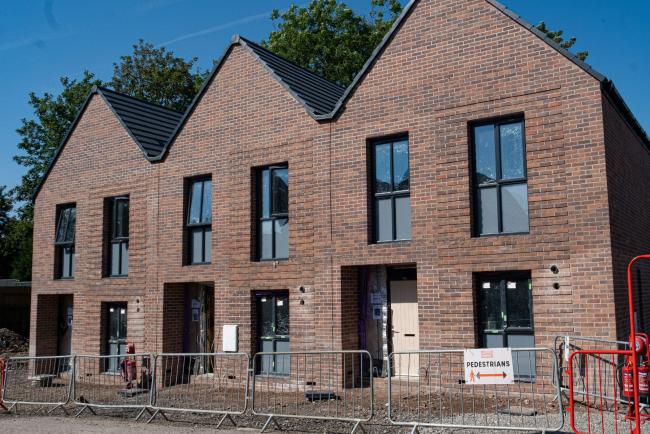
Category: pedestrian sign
[488,366]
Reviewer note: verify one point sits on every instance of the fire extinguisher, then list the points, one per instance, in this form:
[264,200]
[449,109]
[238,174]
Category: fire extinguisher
[644,379]
[628,380]
[129,366]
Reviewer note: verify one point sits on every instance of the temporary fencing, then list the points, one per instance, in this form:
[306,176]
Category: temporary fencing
[43,381]
[429,390]
[212,383]
[124,382]
[328,385]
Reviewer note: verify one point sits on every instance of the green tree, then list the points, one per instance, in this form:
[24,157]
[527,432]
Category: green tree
[156,75]
[153,74]
[15,240]
[6,204]
[556,35]
[329,38]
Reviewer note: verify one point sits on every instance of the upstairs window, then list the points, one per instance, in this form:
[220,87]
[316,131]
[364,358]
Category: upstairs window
[199,221]
[501,186]
[273,213]
[391,191]
[119,245]
[64,242]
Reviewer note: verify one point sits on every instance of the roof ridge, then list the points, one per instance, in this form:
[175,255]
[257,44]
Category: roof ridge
[249,42]
[144,101]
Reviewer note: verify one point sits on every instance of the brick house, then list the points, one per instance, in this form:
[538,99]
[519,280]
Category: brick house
[476,185]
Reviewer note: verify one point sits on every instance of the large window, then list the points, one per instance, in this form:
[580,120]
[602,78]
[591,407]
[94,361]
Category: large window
[64,242]
[391,191]
[273,213]
[119,243]
[199,221]
[501,187]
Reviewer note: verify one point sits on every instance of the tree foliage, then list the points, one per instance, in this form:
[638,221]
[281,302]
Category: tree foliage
[329,38]
[556,35]
[15,240]
[152,74]
[156,75]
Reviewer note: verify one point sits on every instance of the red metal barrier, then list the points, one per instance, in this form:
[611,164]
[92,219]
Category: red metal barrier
[600,400]
[3,366]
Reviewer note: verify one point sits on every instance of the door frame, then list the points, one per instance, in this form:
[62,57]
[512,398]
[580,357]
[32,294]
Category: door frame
[107,338]
[275,338]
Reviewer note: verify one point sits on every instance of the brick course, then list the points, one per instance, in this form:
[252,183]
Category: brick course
[451,63]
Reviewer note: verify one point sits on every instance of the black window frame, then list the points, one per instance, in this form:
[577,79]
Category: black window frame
[201,226]
[498,183]
[118,239]
[393,194]
[66,246]
[272,215]
[503,277]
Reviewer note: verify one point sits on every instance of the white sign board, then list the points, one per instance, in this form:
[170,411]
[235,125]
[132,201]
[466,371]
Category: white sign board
[488,366]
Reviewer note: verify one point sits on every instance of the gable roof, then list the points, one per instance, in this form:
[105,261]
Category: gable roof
[154,128]
[318,95]
[607,85]
[149,125]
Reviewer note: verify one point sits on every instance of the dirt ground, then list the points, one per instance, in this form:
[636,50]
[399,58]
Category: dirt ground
[95,424]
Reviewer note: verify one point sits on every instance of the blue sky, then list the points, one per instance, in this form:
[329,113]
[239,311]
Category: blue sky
[41,40]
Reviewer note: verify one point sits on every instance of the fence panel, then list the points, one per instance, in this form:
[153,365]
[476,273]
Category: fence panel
[431,391]
[597,401]
[38,381]
[214,383]
[567,344]
[331,385]
[124,381]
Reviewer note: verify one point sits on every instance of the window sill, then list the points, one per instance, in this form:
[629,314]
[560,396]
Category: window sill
[195,264]
[379,243]
[272,260]
[117,276]
[502,234]
[64,278]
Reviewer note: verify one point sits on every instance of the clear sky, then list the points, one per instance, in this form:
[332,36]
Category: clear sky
[41,40]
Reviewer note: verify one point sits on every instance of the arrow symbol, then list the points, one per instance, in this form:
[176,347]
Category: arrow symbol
[502,375]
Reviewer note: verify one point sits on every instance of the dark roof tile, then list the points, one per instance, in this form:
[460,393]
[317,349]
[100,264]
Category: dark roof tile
[150,125]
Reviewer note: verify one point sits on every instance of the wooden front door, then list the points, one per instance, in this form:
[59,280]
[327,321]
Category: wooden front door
[405,329]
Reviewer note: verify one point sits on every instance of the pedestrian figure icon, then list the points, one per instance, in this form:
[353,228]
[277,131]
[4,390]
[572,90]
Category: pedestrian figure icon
[471,376]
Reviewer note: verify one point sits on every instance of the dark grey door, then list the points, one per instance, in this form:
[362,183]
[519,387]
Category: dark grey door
[273,332]
[116,335]
[505,308]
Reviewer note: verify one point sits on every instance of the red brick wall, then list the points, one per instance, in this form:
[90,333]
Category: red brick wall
[456,62]
[628,184]
[100,160]
[451,63]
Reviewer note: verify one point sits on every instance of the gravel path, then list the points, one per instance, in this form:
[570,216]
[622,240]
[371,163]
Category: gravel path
[95,424]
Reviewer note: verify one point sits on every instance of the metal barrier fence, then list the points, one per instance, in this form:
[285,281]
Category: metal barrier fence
[213,383]
[428,389]
[596,396]
[565,345]
[124,381]
[330,385]
[45,381]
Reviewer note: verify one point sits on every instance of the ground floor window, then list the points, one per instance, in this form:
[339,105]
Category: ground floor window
[272,316]
[505,316]
[115,338]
